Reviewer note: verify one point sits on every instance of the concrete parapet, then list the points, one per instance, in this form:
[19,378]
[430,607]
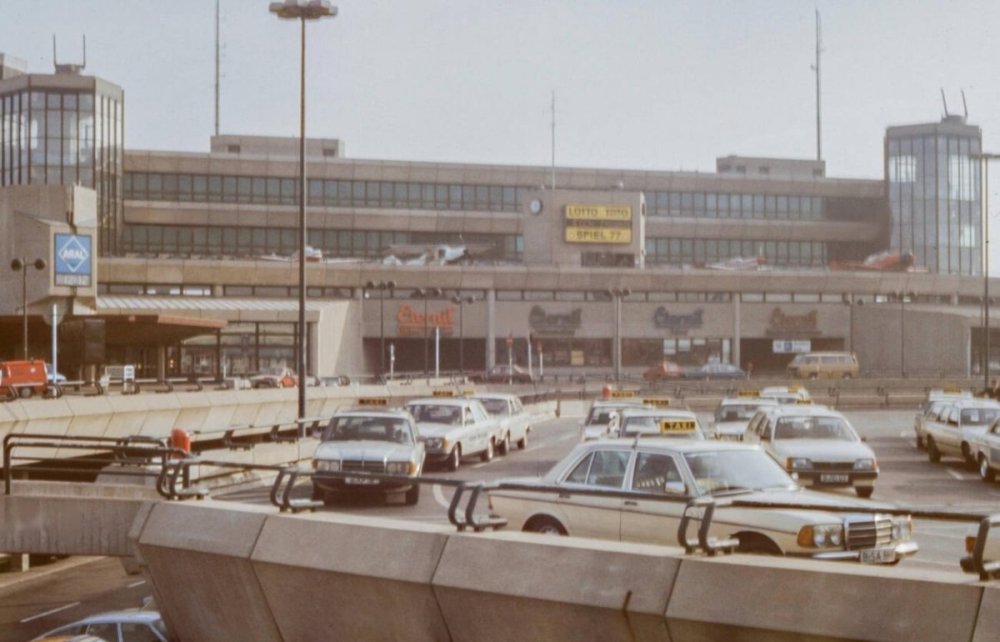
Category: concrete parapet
[988,623]
[517,586]
[820,599]
[350,578]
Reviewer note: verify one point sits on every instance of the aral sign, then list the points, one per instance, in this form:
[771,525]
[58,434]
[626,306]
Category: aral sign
[74,259]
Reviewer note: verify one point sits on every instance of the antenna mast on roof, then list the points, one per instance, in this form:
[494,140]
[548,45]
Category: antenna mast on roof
[553,139]
[216,67]
[819,50]
[965,106]
[945,101]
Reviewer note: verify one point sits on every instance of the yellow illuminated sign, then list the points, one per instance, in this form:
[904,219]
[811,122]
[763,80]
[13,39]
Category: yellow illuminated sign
[598,235]
[622,394]
[599,212]
[748,393]
[803,402]
[443,393]
[659,402]
[677,425]
[468,392]
[373,401]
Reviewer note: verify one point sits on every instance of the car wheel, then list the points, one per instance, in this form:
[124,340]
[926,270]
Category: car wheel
[986,473]
[504,447]
[933,454]
[455,458]
[487,454]
[544,526]
[413,495]
[920,442]
[522,443]
[864,491]
[25,393]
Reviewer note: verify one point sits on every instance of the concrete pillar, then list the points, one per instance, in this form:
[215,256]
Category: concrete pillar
[737,329]
[18,562]
[161,362]
[491,328]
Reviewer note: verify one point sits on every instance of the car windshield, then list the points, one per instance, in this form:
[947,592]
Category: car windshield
[602,415]
[735,412]
[391,429]
[830,428]
[437,414]
[496,406]
[732,470]
[979,416]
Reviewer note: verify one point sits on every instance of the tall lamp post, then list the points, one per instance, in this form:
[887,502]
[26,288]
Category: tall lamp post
[381,286]
[302,10]
[21,265]
[460,301]
[617,294]
[985,159]
[426,293]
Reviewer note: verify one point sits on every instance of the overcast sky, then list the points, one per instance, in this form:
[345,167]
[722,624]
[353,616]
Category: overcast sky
[639,84]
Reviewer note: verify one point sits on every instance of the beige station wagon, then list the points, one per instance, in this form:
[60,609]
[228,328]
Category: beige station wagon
[824,365]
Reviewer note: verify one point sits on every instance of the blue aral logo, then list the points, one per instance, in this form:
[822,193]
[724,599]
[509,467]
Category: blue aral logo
[74,256]
[74,259]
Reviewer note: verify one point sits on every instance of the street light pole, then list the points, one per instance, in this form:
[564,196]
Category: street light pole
[381,286]
[302,10]
[21,265]
[617,294]
[460,301]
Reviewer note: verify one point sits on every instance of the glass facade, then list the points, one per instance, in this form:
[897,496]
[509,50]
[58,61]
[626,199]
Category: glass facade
[699,252]
[934,194]
[735,205]
[63,136]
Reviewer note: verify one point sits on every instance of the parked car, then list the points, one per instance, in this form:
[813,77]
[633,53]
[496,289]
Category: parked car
[453,428]
[715,371]
[936,398]
[663,370]
[505,374]
[513,420]
[52,376]
[665,474]
[957,424]
[816,444]
[115,626]
[22,378]
[823,365]
[277,377]
[652,422]
[734,413]
[595,424]
[380,441]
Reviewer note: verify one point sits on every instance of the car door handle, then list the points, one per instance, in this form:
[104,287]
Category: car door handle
[631,502]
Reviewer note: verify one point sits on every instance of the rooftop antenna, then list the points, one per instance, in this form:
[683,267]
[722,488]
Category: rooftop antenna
[69,68]
[216,67]
[943,100]
[553,139]
[965,106]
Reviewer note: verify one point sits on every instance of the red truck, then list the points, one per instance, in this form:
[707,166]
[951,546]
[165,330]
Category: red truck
[23,378]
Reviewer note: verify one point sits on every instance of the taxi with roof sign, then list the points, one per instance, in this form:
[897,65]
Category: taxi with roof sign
[786,394]
[936,399]
[369,438]
[513,421]
[670,423]
[636,490]
[817,444]
[956,425]
[734,413]
[453,427]
[595,424]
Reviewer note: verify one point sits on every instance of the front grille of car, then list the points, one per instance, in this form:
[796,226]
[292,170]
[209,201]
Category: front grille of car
[838,466]
[364,466]
[868,532]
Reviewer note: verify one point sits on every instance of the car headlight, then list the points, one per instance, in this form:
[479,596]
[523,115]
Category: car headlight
[435,442]
[865,464]
[798,463]
[397,467]
[902,528]
[821,536]
[327,465]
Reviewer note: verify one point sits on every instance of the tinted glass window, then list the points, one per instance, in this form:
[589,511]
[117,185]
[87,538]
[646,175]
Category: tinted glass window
[653,472]
[608,468]
[579,474]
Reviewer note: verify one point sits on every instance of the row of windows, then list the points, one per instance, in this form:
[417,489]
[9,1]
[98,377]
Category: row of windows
[262,190]
[675,251]
[261,241]
[724,205]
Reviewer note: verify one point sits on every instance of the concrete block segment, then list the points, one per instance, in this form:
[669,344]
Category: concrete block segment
[66,525]
[350,578]
[820,599]
[511,586]
[988,623]
[198,558]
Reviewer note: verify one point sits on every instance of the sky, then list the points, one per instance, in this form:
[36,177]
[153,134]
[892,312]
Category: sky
[639,84]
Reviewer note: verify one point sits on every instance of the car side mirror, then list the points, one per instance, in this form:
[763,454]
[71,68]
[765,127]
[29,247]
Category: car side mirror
[674,488]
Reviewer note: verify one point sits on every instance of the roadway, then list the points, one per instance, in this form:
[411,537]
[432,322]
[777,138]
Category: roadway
[36,604]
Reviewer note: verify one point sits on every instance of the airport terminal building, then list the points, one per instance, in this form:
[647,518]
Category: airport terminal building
[185,263]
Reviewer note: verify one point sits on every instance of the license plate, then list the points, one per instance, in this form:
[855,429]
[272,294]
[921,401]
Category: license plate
[360,481]
[834,478]
[878,556]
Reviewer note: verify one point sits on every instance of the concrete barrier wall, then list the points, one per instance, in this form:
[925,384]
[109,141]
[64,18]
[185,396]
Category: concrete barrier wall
[238,572]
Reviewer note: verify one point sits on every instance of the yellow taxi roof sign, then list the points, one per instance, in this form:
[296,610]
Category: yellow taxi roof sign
[443,393]
[468,392]
[658,402]
[951,390]
[373,401]
[803,402]
[748,392]
[623,394]
[677,425]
